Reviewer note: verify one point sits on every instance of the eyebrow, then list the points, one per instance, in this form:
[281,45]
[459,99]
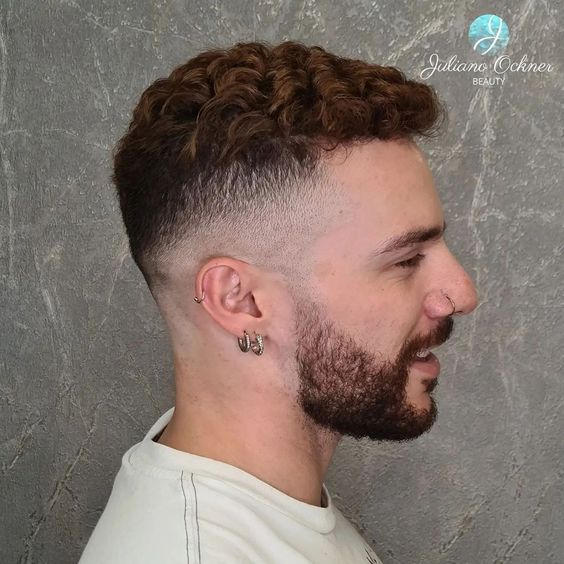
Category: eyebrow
[412,237]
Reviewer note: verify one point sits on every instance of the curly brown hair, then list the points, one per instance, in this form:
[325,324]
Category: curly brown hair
[224,156]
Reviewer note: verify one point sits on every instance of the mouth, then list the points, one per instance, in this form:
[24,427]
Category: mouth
[423,355]
[425,361]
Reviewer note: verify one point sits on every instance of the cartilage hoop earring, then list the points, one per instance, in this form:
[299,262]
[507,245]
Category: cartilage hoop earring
[200,300]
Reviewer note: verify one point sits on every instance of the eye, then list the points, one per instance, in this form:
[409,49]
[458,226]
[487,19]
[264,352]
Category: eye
[412,262]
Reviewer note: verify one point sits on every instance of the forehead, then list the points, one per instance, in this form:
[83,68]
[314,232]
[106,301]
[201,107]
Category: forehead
[386,186]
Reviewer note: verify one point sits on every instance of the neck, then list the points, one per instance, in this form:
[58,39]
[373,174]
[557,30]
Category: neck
[257,429]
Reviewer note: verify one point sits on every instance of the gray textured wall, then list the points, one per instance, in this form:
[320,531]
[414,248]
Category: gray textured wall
[85,365]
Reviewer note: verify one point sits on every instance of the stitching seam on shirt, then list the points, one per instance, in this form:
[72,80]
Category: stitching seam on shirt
[185,509]
[197,523]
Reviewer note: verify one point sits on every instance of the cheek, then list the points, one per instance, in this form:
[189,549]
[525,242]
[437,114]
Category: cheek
[386,325]
[322,269]
[379,315]
[375,326]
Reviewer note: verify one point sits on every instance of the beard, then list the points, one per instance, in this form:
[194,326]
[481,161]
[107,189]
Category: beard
[347,389]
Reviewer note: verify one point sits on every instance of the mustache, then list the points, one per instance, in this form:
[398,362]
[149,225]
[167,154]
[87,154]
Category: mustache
[440,335]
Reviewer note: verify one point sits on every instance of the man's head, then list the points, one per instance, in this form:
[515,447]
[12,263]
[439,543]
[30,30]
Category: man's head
[272,178]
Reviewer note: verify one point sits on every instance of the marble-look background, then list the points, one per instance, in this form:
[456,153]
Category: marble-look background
[85,367]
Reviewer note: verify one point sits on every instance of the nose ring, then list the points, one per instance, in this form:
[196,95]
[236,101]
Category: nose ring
[453,304]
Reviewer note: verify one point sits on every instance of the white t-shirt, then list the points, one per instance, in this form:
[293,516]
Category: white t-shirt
[170,507]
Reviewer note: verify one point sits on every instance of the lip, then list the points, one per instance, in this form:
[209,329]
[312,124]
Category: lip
[432,367]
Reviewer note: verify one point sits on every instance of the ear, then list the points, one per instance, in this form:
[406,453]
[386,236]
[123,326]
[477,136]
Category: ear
[228,286]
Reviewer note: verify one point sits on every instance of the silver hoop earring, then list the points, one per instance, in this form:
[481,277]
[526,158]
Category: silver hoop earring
[244,342]
[258,345]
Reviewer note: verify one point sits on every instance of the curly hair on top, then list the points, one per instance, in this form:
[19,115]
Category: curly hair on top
[225,154]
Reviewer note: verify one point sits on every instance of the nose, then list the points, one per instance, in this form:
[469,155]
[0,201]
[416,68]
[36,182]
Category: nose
[464,293]
[456,283]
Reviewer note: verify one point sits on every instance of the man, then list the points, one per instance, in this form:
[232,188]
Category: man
[290,231]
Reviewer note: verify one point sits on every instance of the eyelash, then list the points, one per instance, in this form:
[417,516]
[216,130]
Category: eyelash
[412,262]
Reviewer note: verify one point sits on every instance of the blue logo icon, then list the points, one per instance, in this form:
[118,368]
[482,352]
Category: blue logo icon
[488,34]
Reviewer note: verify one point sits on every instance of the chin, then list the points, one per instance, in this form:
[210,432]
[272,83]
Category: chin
[422,401]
